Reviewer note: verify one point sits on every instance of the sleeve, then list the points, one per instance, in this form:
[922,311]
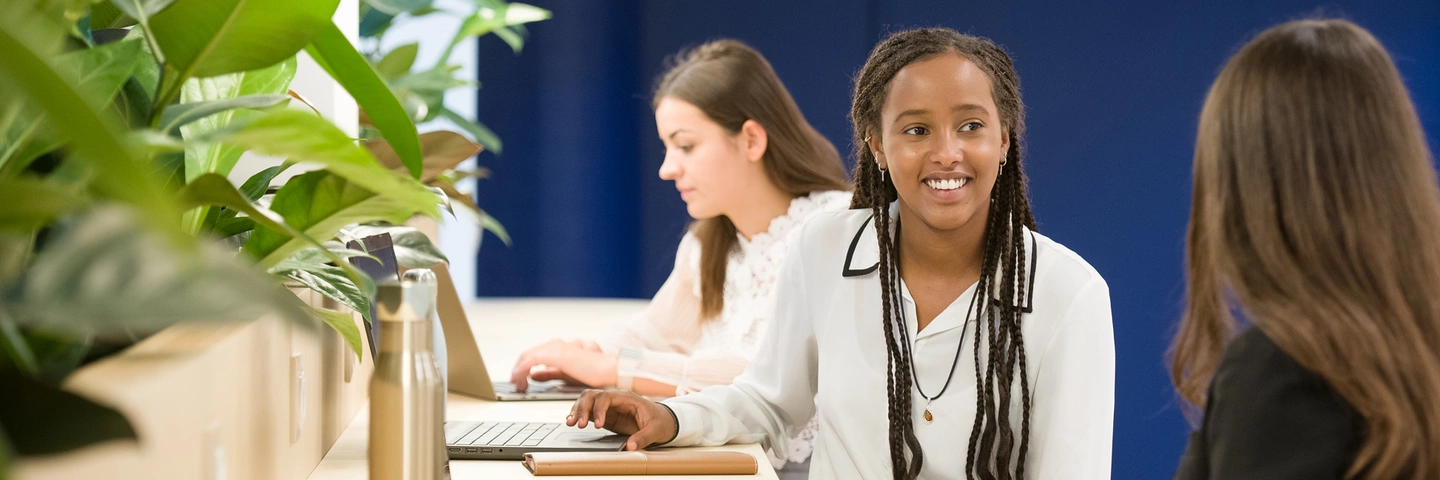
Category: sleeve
[671,322]
[1269,418]
[690,373]
[1072,421]
[774,398]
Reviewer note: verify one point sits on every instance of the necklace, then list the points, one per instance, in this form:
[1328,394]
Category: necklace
[905,336]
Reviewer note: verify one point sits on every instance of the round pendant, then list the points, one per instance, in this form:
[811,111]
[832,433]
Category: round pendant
[928,417]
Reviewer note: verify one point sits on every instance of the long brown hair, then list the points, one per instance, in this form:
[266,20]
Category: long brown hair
[732,83]
[1316,216]
[993,438]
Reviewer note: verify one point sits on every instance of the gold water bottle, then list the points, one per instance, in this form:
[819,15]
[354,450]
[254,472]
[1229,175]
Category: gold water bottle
[407,435]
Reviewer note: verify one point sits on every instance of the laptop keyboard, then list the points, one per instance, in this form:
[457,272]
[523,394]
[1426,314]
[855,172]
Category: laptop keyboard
[503,388]
[497,434]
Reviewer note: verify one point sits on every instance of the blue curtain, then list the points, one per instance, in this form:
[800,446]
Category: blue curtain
[1113,94]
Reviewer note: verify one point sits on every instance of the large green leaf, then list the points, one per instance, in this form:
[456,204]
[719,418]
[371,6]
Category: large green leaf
[343,324]
[302,136]
[105,15]
[41,419]
[319,203]
[182,114]
[207,157]
[335,53]
[28,203]
[413,249]
[95,138]
[256,186]
[102,276]
[204,38]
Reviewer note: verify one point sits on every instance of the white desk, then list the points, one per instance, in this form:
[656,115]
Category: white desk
[504,329]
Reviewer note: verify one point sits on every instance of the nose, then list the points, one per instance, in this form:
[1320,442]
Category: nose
[670,168]
[949,150]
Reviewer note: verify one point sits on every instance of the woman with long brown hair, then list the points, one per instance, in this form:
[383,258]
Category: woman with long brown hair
[751,170]
[931,330]
[1312,335]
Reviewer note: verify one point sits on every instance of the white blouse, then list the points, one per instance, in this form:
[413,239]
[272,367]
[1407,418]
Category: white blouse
[824,357]
[680,348]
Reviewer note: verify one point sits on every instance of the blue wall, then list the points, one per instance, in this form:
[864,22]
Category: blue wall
[1112,93]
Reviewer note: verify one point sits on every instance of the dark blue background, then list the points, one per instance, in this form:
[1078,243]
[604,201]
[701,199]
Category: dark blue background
[1112,91]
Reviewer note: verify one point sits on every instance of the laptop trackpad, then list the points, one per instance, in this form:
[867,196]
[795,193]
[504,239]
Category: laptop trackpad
[585,439]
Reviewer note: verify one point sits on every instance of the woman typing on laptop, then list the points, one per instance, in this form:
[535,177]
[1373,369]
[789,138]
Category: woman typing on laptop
[751,170]
[934,333]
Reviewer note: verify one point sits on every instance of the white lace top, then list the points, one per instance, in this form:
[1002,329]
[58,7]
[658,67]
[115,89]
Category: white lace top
[691,353]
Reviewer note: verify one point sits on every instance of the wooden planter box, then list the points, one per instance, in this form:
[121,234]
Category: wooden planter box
[257,400]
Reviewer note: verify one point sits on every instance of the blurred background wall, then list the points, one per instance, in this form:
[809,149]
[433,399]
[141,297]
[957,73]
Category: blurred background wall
[1112,94]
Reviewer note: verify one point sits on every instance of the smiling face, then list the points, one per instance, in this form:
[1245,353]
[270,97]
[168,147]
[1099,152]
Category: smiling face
[942,141]
[709,165]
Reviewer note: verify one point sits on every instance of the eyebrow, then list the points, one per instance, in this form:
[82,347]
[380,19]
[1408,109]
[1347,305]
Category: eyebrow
[919,112]
[674,133]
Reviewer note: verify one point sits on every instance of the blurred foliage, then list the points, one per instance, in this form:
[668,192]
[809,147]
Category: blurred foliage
[120,121]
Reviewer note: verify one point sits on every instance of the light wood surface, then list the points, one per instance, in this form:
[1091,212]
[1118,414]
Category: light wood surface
[504,329]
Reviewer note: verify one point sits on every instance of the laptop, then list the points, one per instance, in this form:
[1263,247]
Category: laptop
[466,371]
[512,440]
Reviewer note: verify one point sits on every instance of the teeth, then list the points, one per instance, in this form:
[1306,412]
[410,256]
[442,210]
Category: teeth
[947,184]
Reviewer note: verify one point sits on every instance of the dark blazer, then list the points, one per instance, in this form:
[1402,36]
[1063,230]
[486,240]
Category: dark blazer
[1269,418]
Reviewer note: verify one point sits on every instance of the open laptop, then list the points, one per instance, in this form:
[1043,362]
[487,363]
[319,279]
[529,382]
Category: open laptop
[512,440]
[466,371]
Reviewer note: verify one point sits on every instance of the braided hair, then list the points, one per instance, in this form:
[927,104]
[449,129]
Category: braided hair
[996,449]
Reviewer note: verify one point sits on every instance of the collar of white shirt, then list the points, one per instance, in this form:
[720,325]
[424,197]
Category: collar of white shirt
[863,259]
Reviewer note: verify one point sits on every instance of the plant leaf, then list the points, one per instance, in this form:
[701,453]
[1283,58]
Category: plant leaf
[98,74]
[42,420]
[105,15]
[373,21]
[16,347]
[396,7]
[213,189]
[205,157]
[319,203]
[335,53]
[344,324]
[94,137]
[312,268]
[413,249]
[482,135]
[492,18]
[398,61]
[185,113]
[487,222]
[137,9]
[256,186]
[100,275]
[204,38]
[28,203]
[443,151]
[301,136]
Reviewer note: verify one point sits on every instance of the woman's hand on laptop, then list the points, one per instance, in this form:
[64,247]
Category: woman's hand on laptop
[646,422]
[572,361]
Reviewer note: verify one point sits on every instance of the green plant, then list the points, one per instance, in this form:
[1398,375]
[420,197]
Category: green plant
[421,88]
[119,123]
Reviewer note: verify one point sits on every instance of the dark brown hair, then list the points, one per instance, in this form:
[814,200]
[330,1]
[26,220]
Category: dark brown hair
[1315,216]
[732,83]
[993,439]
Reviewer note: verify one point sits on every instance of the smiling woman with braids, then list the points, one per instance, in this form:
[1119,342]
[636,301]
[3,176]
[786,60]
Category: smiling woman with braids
[931,330]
